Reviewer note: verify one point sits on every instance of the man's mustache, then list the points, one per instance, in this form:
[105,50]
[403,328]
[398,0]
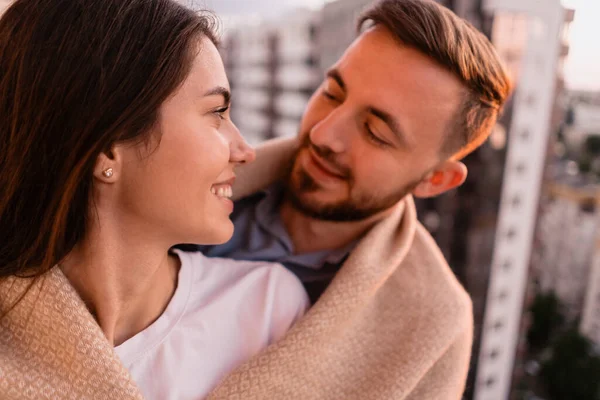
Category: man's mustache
[327,155]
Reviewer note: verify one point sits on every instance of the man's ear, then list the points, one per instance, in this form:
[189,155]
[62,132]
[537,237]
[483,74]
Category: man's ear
[446,176]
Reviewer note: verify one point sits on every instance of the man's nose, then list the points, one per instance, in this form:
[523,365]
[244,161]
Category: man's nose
[331,131]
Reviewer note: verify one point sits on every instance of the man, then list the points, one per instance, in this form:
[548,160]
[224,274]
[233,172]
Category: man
[417,91]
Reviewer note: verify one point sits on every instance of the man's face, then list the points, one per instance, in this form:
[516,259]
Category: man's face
[372,130]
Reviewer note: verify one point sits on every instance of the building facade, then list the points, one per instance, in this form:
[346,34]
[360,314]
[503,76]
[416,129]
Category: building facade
[590,318]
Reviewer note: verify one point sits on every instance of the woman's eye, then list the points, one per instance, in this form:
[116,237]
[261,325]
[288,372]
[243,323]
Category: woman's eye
[221,112]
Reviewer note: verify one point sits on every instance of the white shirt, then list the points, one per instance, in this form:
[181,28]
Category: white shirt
[222,313]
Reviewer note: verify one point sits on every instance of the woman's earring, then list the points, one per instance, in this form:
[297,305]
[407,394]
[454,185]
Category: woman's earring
[107,172]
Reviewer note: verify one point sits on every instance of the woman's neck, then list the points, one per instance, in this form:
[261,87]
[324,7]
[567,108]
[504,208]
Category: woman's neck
[125,281]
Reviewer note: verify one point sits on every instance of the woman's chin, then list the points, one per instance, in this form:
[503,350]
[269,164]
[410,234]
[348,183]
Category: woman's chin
[218,235]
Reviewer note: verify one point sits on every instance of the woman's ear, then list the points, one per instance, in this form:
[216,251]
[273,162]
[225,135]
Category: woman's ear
[447,176]
[109,165]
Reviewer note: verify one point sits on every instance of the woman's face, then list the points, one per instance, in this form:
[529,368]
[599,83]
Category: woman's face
[180,187]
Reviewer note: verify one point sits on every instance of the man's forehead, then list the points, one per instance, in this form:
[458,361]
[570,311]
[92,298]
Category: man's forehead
[377,63]
[377,47]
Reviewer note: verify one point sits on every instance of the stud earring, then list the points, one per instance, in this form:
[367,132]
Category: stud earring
[107,172]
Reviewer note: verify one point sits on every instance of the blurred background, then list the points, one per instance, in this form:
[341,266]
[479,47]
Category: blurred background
[522,234]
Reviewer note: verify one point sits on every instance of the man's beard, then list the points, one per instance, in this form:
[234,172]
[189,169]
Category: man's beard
[298,182]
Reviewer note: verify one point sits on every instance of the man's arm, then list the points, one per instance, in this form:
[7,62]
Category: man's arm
[272,160]
[447,377]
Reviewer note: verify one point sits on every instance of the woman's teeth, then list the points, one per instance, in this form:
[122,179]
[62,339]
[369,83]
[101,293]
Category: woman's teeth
[223,191]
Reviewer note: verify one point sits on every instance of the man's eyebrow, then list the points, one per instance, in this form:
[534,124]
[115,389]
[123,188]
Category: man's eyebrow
[220,91]
[386,117]
[335,75]
[393,124]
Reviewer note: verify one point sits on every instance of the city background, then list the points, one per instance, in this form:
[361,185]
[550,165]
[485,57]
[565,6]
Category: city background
[522,234]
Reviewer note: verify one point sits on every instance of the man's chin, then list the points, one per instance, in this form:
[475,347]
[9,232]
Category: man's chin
[325,205]
[315,205]
[317,202]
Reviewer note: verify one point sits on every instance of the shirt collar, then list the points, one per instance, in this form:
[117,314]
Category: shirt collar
[269,219]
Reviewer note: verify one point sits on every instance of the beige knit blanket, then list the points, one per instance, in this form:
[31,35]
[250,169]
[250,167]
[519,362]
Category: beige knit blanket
[393,324]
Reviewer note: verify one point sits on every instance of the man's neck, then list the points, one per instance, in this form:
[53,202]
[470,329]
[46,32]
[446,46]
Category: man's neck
[309,234]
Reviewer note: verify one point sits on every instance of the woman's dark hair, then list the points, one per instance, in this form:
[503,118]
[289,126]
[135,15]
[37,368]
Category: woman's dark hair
[77,76]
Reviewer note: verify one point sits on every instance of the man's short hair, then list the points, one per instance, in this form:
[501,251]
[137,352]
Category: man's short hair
[458,46]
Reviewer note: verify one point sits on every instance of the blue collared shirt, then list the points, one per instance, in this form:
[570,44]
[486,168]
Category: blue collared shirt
[260,235]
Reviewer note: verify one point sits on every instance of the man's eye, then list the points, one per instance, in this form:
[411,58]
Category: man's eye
[329,95]
[374,138]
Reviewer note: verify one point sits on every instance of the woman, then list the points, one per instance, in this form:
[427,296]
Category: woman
[115,145]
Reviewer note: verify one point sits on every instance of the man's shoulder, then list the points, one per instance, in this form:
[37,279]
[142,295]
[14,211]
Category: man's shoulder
[445,296]
[423,294]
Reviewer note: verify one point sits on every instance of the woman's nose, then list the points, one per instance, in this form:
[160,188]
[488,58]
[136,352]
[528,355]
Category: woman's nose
[240,150]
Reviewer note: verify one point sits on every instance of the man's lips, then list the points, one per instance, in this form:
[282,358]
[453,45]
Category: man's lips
[322,165]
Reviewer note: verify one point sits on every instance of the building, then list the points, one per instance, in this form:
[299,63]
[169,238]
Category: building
[583,120]
[297,75]
[566,252]
[583,96]
[248,60]
[338,29]
[273,69]
[590,318]
[530,36]
[565,244]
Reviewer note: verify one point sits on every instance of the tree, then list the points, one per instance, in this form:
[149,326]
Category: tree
[592,145]
[584,164]
[546,320]
[573,371]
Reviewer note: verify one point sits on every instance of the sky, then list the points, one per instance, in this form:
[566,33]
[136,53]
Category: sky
[262,8]
[582,69]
